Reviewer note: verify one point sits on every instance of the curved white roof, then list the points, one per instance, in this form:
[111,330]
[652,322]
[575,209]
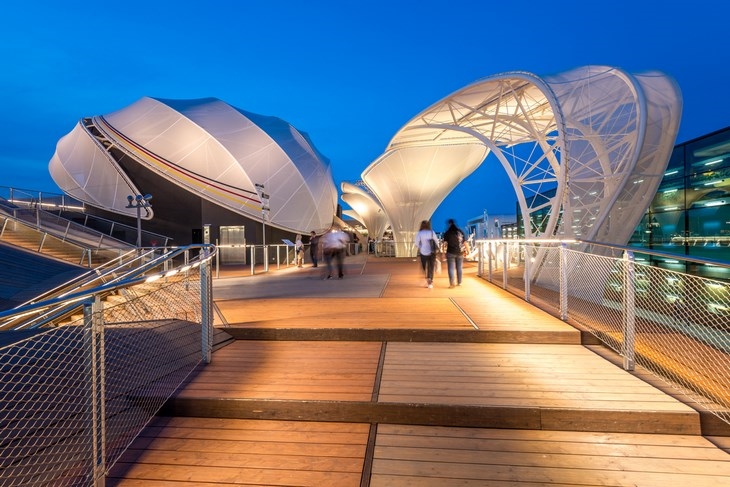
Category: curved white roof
[597,135]
[370,212]
[204,146]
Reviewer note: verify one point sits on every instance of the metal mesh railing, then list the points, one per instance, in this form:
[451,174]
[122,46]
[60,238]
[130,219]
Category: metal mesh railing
[674,324]
[73,397]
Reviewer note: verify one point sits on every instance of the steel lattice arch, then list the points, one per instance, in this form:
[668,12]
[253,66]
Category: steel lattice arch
[585,151]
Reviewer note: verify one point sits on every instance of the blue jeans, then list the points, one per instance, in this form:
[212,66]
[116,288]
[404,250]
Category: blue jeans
[454,262]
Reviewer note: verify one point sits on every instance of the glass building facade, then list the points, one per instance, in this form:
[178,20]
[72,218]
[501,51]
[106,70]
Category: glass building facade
[690,212]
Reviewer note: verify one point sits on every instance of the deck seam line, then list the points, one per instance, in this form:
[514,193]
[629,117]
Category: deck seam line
[464,313]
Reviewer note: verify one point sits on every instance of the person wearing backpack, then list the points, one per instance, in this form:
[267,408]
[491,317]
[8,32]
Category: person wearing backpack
[427,244]
[455,245]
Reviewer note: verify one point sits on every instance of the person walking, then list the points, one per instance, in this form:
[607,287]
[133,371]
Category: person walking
[299,251]
[455,242]
[427,244]
[314,248]
[334,246]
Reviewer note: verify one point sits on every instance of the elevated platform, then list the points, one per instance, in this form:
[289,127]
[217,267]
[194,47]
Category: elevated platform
[376,380]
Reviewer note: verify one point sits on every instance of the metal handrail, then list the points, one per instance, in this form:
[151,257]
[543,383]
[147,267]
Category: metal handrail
[99,379]
[34,200]
[40,313]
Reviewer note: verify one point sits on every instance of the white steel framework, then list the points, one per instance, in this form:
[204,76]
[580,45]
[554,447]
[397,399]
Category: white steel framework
[582,149]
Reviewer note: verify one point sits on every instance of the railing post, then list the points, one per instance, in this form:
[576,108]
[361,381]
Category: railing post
[217,261]
[266,258]
[504,266]
[206,305]
[491,256]
[563,267]
[93,322]
[629,310]
[527,273]
[278,265]
[253,259]
[480,259]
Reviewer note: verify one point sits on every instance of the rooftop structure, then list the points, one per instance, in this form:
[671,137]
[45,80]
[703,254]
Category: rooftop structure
[598,136]
[206,148]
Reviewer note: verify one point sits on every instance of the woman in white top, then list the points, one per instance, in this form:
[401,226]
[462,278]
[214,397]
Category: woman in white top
[427,243]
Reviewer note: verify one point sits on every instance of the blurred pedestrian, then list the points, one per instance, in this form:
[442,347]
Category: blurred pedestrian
[427,243]
[299,251]
[314,248]
[334,246]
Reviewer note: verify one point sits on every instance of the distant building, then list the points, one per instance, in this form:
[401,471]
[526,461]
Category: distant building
[690,213]
[492,226]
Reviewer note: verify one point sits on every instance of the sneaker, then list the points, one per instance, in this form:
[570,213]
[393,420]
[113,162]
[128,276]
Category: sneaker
[451,286]
[430,286]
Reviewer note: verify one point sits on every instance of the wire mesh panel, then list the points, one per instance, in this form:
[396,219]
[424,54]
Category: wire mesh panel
[145,363]
[45,416]
[54,383]
[595,295]
[674,324]
[152,342]
[682,326]
[545,285]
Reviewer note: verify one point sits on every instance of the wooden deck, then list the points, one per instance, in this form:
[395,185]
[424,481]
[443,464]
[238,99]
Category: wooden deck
[374,380]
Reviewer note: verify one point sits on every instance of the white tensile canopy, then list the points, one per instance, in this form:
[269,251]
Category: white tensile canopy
[369,211]
[599,137]
[207,147]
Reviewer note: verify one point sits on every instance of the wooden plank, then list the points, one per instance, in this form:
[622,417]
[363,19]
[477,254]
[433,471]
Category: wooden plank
[563,376]
[522,389]
[344,313]
[413,455]
[244,452]
[337,371]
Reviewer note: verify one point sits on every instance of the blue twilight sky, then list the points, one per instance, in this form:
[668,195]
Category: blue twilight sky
[350,74]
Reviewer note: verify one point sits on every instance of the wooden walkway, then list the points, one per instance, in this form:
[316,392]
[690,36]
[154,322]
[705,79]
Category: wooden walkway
[374,380]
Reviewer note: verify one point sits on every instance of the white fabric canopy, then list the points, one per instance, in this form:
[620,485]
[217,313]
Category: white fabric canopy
[207,147]
[598,136]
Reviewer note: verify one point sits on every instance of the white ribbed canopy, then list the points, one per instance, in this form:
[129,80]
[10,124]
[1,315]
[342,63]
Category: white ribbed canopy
[368,210]
[207,147]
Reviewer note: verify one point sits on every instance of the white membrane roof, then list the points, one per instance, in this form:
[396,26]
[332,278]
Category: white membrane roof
[207,147]
[596,135]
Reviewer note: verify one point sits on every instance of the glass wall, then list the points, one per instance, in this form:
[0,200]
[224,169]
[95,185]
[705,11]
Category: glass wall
[690,213]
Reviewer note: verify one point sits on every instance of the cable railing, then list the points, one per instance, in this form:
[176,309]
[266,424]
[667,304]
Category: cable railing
[74,394]
[674,324]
